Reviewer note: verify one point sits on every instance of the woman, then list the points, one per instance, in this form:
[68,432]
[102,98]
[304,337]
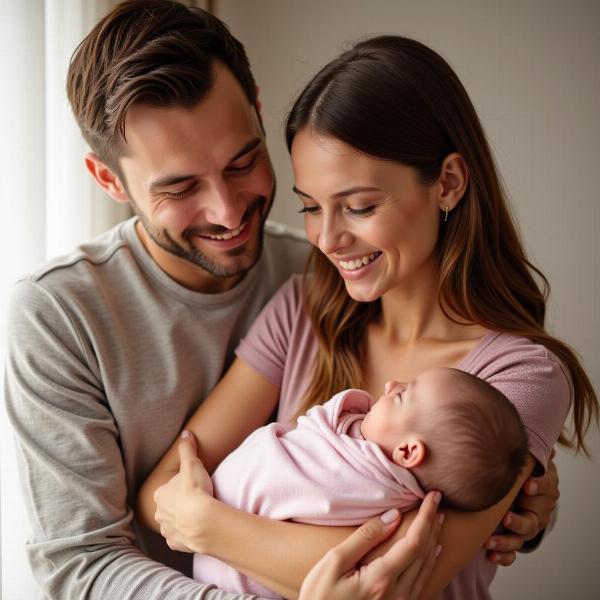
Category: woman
[416,265]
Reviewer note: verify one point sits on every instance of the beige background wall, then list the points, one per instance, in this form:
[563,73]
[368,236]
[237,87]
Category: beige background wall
[531,68]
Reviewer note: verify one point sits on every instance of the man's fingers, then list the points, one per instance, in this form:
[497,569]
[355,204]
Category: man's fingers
[525,524]
[503,559]
[505,543]
[344,556]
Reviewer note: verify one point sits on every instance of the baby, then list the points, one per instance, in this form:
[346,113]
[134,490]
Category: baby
[353,458]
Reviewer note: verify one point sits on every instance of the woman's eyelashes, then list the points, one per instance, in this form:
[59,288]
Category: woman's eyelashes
[357,212]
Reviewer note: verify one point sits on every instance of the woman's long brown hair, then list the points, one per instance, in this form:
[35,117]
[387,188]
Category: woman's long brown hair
[393,98]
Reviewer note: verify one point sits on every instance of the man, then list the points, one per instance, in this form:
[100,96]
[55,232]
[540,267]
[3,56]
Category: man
[112,347]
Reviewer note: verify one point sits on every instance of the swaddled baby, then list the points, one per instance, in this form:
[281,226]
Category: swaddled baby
[353,458]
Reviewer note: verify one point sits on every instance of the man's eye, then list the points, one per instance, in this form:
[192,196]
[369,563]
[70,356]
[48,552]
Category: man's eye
[182,194]
[243,166]
[309,209]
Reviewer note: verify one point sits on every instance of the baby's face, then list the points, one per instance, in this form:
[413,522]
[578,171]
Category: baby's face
[395,417]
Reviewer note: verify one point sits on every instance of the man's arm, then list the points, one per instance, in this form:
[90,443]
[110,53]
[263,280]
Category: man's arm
[71,467]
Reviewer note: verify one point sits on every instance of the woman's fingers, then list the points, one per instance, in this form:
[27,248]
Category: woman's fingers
[370,534]
[408,562]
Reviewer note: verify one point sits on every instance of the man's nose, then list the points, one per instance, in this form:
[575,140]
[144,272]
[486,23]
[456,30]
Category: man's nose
[223,206]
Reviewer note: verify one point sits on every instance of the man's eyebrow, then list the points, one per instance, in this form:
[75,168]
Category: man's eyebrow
[247,148]
[168,180]
[343,194]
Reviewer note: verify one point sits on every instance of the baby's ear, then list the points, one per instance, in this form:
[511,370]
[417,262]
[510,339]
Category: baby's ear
[409,454]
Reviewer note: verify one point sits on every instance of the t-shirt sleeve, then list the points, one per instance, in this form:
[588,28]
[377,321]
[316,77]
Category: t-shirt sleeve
[71,464]
[539,386]
[266,345]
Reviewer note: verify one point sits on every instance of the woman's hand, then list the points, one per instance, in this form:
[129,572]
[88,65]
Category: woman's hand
[399,574]
[183,501]
[530,515]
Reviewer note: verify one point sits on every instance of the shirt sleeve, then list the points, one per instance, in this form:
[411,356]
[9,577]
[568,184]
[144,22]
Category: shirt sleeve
[71,468]
[539,386]
[266,345]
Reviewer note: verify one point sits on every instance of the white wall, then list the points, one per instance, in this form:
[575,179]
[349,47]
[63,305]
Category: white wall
[531,69]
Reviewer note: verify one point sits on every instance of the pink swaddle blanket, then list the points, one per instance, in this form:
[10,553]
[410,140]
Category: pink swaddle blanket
[321,472]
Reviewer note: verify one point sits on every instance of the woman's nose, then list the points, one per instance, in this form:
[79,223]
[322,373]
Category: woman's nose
[332,237]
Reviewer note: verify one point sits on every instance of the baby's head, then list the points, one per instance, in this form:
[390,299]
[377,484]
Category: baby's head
[455,432]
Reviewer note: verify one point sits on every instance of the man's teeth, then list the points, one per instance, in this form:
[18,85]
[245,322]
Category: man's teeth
[229,235]
[357,263]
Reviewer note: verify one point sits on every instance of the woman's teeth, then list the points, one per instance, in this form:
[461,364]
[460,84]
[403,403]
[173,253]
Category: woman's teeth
[229,235]
[357,263]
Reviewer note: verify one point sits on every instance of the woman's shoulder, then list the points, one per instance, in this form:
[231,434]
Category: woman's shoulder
[532,378]
[501,352]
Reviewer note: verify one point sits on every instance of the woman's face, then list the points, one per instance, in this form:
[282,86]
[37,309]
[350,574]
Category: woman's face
[373,219]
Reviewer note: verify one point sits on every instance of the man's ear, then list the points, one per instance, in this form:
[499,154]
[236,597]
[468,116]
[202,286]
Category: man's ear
[258,102]
[409,454]
[452,182]
[105,178]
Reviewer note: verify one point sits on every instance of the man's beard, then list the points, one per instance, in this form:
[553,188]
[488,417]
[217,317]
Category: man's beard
[191,254]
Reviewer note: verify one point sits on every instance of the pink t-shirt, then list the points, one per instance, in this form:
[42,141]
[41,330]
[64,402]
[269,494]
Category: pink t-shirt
[321,472]
[282,347]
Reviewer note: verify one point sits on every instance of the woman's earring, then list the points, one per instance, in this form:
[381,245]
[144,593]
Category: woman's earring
[446,209]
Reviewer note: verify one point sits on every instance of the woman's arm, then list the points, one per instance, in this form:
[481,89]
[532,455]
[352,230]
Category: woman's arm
[262,548]
[240,403]
[462,536]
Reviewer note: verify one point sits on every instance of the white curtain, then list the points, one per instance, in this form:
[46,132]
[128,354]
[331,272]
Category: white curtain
[48,202]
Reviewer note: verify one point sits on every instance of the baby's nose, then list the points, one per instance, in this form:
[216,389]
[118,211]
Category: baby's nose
[390,386]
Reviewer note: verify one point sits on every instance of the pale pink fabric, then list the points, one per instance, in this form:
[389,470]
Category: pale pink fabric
[282,346]
[322,472]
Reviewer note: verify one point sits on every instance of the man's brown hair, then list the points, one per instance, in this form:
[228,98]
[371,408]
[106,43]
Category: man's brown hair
[155,52]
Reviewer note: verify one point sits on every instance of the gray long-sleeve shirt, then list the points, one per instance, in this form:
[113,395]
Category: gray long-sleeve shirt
[107,358]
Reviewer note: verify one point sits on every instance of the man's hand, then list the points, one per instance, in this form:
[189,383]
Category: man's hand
[531,514]
[181,502]
[399,574]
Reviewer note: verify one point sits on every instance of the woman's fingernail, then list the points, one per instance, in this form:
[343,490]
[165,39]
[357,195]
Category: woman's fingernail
[437,498]
[185,434]
[390,516]
[437,551]
[508,519]
[441,518]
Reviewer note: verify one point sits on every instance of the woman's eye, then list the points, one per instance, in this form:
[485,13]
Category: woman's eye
[360,211]
[309,209]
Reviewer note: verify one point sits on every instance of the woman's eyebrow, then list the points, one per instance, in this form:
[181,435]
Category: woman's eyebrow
[342,194]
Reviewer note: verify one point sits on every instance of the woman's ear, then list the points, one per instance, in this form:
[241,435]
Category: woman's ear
[105,178]
[409,454]
[453,180]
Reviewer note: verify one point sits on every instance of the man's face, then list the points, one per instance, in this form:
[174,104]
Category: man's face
[201,181]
